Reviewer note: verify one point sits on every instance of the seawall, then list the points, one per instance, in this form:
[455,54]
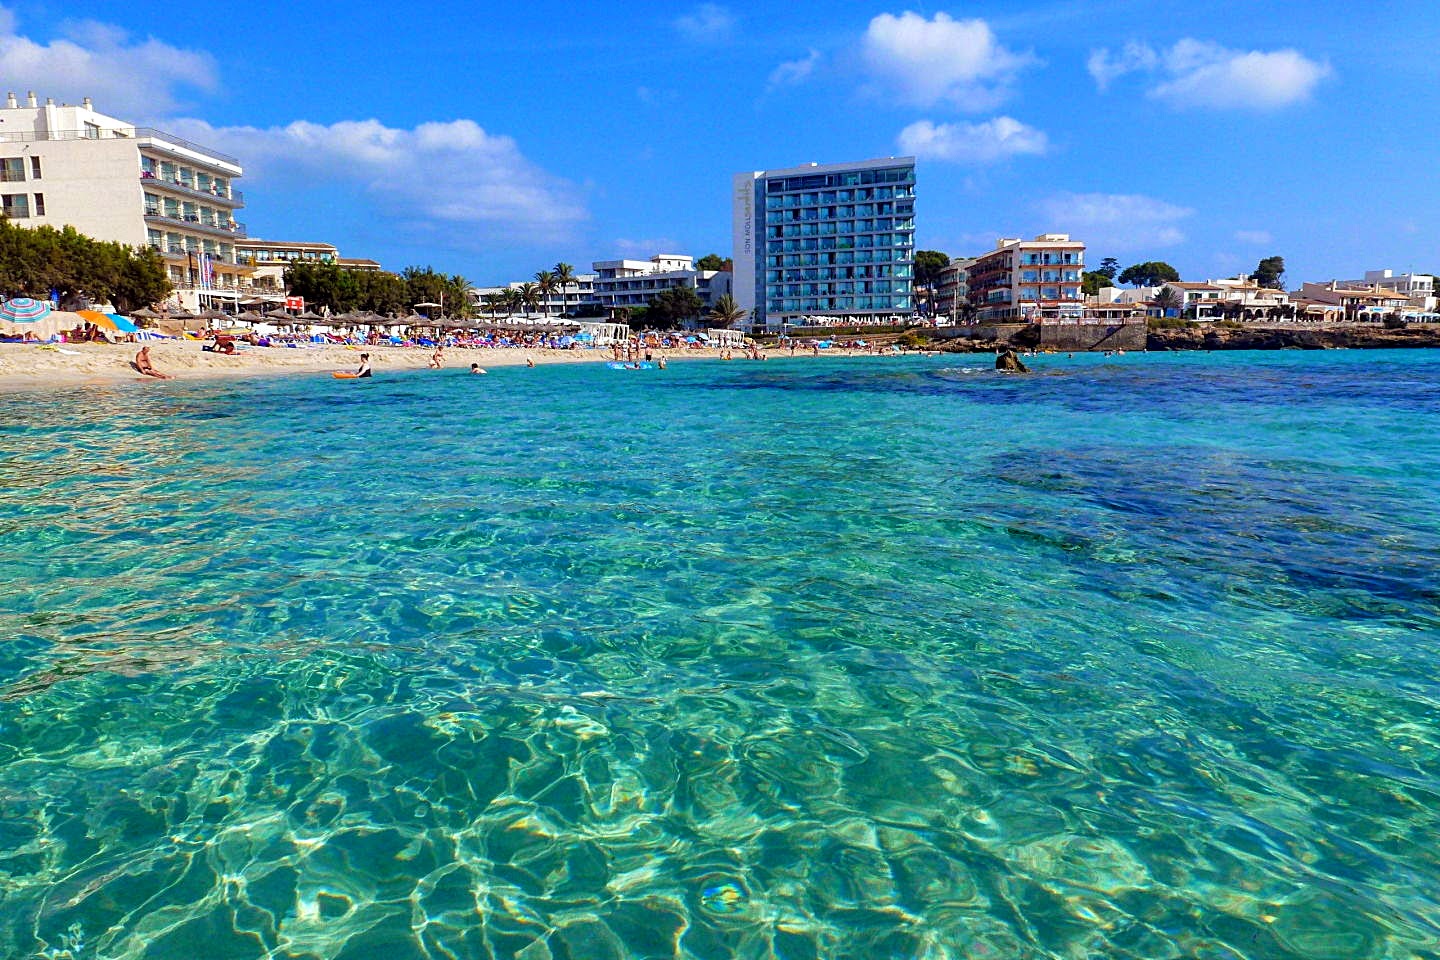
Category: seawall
[1068,337]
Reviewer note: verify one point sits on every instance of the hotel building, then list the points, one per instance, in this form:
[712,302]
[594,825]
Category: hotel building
[63,165]
[952,292]
[578,293]
[825,242]
[634,283]
[1029,280]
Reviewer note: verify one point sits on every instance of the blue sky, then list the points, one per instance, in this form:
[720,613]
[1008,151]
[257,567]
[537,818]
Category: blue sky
[495,139]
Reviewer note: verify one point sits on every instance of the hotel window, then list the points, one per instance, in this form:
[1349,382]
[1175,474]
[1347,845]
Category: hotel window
[12,170]
[34,168]
[16,206]
[92,131]
[39,204]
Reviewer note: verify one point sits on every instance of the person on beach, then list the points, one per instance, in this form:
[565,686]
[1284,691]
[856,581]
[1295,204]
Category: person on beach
[437,359]
[143,365]
[529,361]
[364,368]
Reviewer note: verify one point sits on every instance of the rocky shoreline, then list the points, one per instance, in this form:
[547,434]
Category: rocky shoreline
[1212,337]
[1288,338]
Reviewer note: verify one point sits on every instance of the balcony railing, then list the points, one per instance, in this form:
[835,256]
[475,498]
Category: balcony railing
[234,196]
[193,222]
[120,133]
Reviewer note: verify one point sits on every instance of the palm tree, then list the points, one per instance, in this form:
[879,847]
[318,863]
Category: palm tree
[491,303]
[1167,299]
[529,296]
[726,312]
[545,285]
[511,300]
[564,278]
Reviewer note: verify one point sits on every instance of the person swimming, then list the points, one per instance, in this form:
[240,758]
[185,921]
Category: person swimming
[364,370]
[476,368]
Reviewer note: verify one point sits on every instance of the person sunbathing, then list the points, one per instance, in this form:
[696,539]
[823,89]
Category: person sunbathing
[143,365]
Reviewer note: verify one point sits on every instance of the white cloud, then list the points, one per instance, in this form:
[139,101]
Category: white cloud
[1202,74]
[1106,67]
[927,61]
[794,71]
[974,143]
[707,23]
[1116,221]
[134,80]
[452,173]
[1254,237]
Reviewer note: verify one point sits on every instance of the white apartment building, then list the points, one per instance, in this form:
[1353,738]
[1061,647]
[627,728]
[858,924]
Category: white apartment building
[64,165]
[1419,288]
[270,258]
[557,303]
[623,284]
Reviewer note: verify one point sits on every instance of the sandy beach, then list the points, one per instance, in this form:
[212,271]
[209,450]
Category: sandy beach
[28,366]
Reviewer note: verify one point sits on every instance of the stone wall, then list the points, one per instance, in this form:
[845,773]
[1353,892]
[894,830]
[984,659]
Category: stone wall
[1052,336]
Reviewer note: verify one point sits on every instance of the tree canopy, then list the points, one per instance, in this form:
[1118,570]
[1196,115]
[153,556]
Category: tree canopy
[1270,273]
[1151,273]
[1110,267]
[342,291]
[673,305]
[78,269]
[1092,280]
[713,261]
[928,264]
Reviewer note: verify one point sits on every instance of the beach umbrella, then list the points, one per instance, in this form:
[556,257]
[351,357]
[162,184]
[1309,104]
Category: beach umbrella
[108,321]
[123,324]
[180,313]
[145,313]
[309,315]
[24,310]
[212,314]
[250,316]
[280,315]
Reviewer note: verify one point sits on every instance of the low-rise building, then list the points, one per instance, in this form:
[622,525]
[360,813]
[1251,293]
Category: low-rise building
[64,165]
[573,298]
[271,258]
[1417,288]
[627,284]
[1028,280]
[1356,303]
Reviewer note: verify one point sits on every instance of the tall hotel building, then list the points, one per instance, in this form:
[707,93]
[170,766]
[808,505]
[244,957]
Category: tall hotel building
[825,243]
[66,165]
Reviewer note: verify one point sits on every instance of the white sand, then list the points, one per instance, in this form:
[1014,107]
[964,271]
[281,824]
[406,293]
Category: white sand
[28,366]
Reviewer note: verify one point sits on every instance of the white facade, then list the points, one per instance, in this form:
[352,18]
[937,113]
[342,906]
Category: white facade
[1029,280]
[579,293]
[623,284]
[1419,288]
[64,165]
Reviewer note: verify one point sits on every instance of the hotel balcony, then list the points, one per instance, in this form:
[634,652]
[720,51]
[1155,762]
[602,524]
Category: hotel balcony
[193,222]
[234,198]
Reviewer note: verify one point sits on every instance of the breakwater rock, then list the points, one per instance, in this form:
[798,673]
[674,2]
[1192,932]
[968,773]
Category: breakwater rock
[1352,337]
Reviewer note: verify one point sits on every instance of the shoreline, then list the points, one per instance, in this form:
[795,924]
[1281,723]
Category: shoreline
[25,366]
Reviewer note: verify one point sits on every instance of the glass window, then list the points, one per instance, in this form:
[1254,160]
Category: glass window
[39,204]
[16,205]
[12,170]
[34,168]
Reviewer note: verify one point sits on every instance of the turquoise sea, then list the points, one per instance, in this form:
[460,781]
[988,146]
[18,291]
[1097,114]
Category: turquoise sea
[1136,657]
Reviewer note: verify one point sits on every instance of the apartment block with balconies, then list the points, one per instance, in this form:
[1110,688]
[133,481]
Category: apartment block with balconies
[1028,280]
[66,165]
[825,243]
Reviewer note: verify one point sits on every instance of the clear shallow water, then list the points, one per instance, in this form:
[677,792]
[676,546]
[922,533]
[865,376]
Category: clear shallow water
[1132,658]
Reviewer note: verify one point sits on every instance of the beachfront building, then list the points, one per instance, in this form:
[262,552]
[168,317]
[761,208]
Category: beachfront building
[627,284]
[271,258]
[576,297]
[1359,304]
[65,165]
[952,292]
[1418,288]
[1029,280]
[825,243]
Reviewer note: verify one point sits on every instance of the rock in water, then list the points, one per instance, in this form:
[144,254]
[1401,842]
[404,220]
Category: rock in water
[1007,360]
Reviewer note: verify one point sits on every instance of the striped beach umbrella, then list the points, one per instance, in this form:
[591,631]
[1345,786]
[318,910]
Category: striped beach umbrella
[24,310]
